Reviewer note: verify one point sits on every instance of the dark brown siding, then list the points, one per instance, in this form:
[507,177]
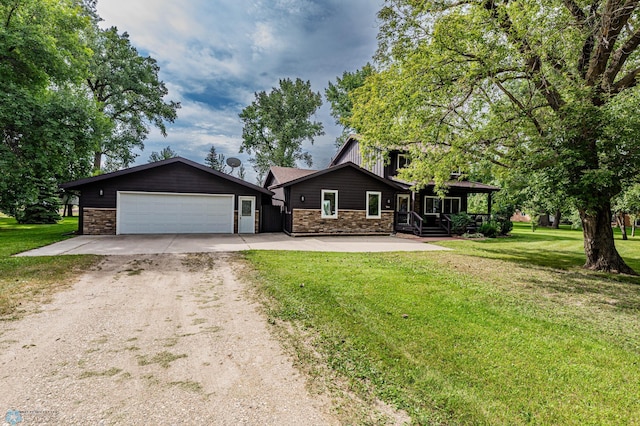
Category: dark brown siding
[351,186]
[175,177]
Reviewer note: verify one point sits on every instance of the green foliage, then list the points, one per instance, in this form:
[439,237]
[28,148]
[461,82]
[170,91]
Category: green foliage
[44,208]
[460,222]
[164,154]
[338,95]
[489,229]
[540,89]
[276,124]
[502,217]
[216,161]
[128,92]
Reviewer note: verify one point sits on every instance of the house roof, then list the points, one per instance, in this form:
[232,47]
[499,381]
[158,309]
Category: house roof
[335,168]
[462,184]
[283,175]
[81,182]
[351,139]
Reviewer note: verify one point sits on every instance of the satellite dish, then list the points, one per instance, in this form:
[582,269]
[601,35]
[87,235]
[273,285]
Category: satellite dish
[233,162]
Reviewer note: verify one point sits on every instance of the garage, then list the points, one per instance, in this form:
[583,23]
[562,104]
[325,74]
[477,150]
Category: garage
[173,196]
[166,213]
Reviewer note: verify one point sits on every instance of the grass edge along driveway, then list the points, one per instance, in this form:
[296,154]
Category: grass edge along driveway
[480,336]
[29,279]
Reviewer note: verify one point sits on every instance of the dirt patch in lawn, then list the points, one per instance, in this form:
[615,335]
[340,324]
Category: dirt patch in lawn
[155,339]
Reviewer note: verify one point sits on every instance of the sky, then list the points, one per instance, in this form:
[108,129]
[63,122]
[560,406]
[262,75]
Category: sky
[214,55]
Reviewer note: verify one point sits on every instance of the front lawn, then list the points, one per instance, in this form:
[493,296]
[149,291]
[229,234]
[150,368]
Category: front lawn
[27,279]
[506,331]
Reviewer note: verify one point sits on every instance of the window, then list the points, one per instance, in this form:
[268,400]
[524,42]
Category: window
[431,205]
[451,205]
[329,207]
[403,161]
[374,202]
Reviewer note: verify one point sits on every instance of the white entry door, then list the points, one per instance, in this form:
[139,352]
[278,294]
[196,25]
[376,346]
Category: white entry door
[246,215]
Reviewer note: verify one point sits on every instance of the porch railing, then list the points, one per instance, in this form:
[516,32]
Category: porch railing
[445,223]
[416,222]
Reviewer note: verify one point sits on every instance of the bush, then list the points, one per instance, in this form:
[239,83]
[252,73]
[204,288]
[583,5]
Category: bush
[489,229]
[502,218]
[460,222]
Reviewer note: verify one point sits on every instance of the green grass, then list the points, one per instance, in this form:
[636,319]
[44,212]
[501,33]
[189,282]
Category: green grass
[496,332]
[27,279]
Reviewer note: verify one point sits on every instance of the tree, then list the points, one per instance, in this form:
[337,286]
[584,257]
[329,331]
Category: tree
[216,161]
[530,86]
[48,125]
[276,124]
[338,95]
[627,203]
[242,173]
[164,154]
[127,88]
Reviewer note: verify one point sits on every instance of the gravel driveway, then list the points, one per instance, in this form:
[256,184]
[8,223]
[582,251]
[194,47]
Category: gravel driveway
[155,340]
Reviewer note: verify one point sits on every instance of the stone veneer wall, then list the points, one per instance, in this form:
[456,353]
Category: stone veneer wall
[99,221]
[235,221]
[308,221]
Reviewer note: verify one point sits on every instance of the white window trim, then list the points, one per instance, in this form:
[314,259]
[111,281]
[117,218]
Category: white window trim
[405,156]
[322,215]
[379,215]
[424,210]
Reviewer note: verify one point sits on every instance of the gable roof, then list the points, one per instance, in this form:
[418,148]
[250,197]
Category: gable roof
[137,169]
[335,168]
[281,175]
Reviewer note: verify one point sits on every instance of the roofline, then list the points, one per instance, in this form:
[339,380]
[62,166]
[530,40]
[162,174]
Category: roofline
[338,167]
[352,137]
[143,167]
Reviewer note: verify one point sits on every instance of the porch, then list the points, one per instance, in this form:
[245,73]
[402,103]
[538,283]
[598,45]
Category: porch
[435,225]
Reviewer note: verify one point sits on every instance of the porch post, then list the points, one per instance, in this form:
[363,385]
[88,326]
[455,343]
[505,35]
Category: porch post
[489,202]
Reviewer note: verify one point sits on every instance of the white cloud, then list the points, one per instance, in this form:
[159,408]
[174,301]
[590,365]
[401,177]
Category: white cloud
[214,55]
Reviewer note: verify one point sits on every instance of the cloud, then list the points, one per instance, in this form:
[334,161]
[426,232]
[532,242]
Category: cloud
[214,55]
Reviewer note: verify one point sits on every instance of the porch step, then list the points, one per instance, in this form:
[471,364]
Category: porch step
[434,231]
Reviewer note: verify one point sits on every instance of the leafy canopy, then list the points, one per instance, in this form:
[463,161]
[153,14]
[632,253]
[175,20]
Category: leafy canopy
[276,124]
[547,87]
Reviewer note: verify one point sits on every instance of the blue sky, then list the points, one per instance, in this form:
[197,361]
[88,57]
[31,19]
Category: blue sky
[214,55]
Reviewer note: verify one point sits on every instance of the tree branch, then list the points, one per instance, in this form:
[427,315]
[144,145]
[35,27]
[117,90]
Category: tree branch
[620,57]
[614,18]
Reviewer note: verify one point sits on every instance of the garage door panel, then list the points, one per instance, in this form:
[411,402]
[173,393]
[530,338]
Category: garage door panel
[152,213]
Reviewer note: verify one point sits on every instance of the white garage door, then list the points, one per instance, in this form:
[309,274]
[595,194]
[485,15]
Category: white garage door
[166,213]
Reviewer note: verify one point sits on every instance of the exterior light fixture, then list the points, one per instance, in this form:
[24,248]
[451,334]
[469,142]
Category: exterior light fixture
[101,192]
[302,198]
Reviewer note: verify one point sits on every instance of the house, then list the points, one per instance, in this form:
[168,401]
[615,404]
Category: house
[422,212]
[342,199]
[171,196]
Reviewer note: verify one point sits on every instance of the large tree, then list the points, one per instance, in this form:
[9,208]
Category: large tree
[276,124]
[338,95]
[127,88]
[549,87]
[48,125]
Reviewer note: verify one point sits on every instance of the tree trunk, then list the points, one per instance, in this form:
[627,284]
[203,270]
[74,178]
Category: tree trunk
[97,161]
[599,245]
[544,220]
[556,219]
[622,225]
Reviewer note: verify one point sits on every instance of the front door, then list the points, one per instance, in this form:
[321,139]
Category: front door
[402,208]
[246,215]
